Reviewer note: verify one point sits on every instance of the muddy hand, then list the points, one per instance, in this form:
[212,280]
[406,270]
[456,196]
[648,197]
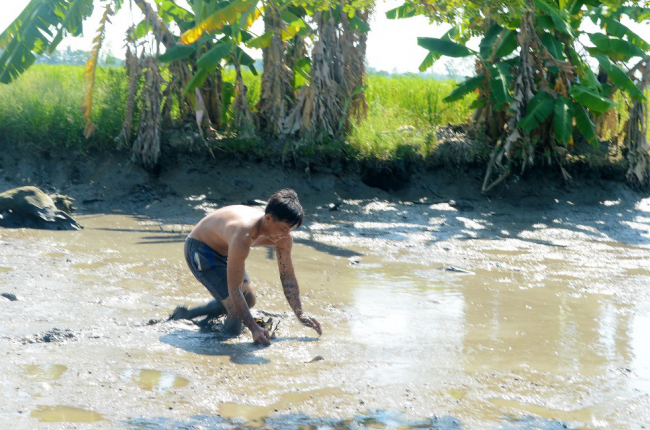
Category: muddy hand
[261,336]
[308,321]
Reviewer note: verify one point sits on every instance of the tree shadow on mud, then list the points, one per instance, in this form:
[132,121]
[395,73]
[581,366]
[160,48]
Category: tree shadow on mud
[623,222]
[551,222]
[476,219]
[380,419]
[617,214]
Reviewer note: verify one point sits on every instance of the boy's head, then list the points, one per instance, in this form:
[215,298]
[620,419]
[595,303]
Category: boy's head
[284,206]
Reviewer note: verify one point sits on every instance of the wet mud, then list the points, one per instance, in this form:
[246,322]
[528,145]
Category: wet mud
[526,311]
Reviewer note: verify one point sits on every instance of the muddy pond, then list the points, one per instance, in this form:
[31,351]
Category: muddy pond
[434,316]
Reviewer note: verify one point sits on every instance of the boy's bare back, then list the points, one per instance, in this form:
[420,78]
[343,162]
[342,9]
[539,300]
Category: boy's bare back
[223,226]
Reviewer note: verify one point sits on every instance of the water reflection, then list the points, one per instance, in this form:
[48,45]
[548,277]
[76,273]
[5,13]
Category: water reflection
[531,341]
[409,320]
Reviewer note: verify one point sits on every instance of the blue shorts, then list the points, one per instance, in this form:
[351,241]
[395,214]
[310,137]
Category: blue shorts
[209,267]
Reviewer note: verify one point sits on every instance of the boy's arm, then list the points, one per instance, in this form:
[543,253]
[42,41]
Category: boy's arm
[290,284]
[237,254]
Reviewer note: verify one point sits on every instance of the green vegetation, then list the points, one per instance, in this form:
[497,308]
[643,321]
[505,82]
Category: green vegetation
[536,98]
[43,107]
[538,93]
[403,113]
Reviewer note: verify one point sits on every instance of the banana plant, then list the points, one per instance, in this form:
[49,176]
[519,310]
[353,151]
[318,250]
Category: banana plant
[534,68]
[212,35]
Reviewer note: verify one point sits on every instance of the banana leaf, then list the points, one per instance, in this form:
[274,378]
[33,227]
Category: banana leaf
[445,47]
[500,83]
[563,119]
[213,57]
[553,46]
[615,48]
[584,123]
[177,52]
[38,29]
[464,88]
[404,11]
[432,56]
[590,99]
[226,15]
[539,108]
[498,42]
[619,77]
[261,42]
[616,29]
[558,21]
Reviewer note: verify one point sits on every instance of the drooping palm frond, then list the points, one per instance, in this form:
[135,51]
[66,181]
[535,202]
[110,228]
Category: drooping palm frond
[38,29]
[89,72]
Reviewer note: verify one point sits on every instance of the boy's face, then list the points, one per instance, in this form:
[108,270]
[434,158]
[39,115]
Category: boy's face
[277,230]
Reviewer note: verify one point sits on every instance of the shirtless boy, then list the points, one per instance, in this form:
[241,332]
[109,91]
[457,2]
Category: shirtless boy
[216,252]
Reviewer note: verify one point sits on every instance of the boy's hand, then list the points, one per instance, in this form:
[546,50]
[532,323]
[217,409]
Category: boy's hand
[261,336]
[310,322]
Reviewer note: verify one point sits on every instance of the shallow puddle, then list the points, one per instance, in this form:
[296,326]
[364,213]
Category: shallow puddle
[44,372]
[154,380]
[65,414]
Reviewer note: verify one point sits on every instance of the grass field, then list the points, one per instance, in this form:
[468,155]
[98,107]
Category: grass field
[43,107]
[403,113]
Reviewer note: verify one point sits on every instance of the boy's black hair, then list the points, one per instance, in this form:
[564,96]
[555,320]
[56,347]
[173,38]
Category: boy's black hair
[284,206]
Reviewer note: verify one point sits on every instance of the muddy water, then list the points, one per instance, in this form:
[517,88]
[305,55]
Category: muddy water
[543,331]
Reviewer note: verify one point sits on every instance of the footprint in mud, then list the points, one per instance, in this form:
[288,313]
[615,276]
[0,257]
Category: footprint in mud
[55,335]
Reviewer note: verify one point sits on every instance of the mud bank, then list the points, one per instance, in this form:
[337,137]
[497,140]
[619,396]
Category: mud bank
[442,308]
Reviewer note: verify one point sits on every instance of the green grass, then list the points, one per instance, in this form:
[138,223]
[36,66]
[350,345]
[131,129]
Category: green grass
[403,113]
[43,107]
